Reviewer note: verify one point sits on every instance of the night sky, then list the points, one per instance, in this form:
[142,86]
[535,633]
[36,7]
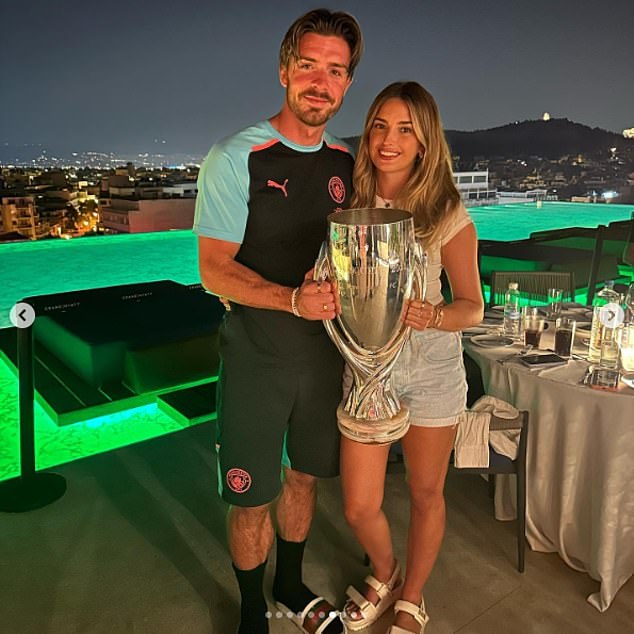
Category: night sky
[126,75]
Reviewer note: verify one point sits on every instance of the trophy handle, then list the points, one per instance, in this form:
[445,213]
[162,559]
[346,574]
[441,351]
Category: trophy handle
[419,266]
[339,334]
[321,271]
[418,290]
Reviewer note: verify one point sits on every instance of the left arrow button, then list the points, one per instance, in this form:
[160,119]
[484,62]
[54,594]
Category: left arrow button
[22,315]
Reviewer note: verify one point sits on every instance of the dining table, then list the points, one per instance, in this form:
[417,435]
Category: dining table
[580,456]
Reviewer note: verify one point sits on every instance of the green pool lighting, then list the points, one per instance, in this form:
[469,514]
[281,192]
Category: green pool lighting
[56,445]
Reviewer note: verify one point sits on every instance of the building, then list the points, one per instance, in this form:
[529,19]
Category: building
[122,215]
[527,196]
[474,188]
[181,190]
[121,184]
[18,213]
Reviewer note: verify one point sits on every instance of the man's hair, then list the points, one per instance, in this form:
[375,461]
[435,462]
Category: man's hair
[323,22]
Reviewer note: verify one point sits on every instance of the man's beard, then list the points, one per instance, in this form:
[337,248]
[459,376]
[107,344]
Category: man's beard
[307,114]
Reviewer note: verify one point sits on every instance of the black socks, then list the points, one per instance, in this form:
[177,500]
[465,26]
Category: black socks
[288,587]
[253,610]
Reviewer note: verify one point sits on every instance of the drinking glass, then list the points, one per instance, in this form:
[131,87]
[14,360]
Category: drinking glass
[532,325]
[604,379]
[555,297]
[564,336]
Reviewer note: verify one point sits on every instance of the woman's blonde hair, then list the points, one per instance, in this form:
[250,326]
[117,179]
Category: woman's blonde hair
[430,193]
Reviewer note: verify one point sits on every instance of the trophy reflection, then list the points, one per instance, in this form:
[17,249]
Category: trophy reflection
[375,264]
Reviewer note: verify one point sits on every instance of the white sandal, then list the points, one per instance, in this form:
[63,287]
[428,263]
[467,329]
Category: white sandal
[417,611]
[387,591]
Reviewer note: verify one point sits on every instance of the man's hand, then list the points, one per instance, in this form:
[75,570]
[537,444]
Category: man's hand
[225,302]
[315,300]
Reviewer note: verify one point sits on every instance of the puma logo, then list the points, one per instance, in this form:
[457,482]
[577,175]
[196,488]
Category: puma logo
[271,183]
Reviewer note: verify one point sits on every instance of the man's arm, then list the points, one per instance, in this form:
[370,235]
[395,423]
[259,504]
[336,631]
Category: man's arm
[222,275]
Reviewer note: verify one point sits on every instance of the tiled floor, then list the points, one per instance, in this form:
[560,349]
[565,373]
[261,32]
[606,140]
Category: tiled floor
[137,546]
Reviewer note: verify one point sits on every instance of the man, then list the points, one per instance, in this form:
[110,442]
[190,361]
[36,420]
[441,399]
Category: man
[263,197]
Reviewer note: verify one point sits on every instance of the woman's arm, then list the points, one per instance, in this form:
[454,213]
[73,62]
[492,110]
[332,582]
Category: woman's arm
[459,257]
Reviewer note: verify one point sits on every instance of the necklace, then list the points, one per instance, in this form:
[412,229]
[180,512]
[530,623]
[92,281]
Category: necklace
[383,202]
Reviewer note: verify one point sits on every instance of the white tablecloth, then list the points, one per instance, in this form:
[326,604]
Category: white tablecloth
[580,466]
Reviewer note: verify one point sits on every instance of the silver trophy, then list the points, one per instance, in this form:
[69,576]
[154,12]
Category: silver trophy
[375,264]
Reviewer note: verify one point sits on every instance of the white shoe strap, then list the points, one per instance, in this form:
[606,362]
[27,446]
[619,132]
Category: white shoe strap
[417,611]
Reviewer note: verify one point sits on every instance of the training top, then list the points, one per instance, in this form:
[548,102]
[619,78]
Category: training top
[272,196]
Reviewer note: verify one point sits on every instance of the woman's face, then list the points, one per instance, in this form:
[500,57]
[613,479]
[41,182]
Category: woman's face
[392,144]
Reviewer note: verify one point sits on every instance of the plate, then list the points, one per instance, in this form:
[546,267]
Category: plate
[492,341]
[475,330]
[628,379]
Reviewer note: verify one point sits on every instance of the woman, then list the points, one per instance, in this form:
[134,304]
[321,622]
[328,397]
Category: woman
[404,162]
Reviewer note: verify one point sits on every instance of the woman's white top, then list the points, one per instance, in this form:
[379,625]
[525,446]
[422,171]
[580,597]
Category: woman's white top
[459,220]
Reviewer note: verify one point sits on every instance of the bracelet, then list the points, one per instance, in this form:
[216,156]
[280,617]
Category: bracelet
[294,308]
[439,313]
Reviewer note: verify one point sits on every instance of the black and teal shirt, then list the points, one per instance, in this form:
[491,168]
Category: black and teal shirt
[272,196]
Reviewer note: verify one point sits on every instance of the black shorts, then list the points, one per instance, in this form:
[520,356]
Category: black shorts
[269,416]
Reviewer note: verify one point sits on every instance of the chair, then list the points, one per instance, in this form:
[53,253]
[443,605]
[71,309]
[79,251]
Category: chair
[594,266]
[533,285]
[628,248]
[499,464]
[626,257]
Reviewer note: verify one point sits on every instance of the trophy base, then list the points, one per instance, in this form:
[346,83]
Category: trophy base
[377,432]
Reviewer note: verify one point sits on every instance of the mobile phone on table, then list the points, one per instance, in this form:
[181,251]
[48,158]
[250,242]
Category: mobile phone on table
[537,360]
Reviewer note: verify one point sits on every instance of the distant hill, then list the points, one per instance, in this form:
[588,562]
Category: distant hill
[548,139]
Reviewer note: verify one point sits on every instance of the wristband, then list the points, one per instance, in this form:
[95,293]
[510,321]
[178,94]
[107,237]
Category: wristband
[294,308]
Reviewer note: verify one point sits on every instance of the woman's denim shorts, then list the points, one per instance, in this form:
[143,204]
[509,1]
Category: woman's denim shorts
[429,378]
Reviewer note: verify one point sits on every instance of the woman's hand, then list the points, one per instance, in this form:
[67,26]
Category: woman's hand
[419,314]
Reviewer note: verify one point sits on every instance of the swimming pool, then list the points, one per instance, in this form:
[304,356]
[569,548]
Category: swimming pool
[36,268]
[55,266]
[517,221]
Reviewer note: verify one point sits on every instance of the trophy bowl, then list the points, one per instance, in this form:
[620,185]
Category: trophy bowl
[375,265]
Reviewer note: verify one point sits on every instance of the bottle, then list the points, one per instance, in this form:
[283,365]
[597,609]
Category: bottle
[602,337]
[512,311]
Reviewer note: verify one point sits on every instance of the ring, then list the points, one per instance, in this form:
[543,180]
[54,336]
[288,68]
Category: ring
[325,307]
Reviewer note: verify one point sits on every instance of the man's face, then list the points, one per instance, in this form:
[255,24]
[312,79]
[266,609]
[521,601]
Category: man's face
[317,82]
